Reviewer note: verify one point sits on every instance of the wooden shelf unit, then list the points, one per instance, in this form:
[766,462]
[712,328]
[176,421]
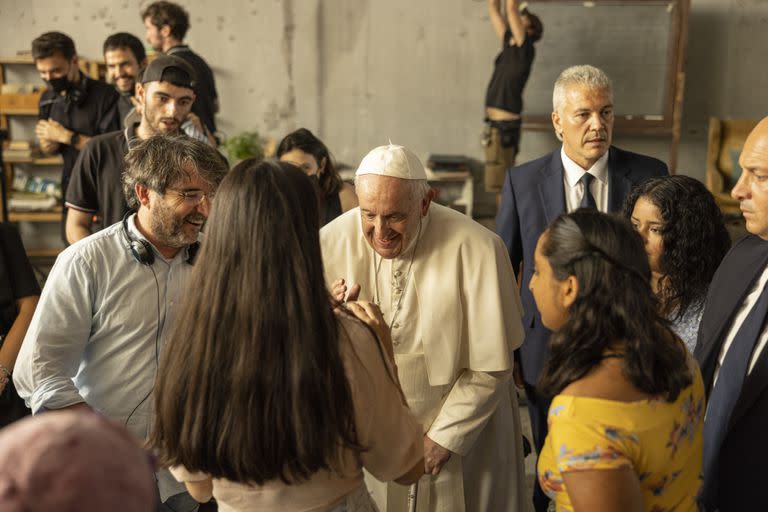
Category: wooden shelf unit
[26,105]
[44,216]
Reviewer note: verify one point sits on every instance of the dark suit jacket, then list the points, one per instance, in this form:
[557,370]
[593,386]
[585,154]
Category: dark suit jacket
[742,468]
[532,196]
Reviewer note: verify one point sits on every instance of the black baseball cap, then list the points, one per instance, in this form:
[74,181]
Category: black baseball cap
[167,68]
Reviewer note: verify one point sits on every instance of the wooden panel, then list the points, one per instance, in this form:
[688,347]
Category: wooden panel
[51,216]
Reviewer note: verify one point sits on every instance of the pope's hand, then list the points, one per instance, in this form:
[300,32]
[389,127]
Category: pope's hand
[435,456]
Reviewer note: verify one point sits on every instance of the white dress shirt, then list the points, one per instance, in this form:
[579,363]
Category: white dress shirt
[741,315]
[574,189]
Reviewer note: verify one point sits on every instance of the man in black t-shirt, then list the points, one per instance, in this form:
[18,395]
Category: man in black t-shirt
[504,97]
[165,96]
[75,107]
[167,24]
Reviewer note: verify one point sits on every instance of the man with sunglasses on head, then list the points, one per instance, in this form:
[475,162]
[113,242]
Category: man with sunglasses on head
[165,95]
[110,299]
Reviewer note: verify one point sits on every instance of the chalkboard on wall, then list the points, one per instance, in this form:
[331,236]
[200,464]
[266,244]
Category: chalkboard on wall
[640,44]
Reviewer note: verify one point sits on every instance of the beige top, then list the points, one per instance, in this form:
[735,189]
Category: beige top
[384,425]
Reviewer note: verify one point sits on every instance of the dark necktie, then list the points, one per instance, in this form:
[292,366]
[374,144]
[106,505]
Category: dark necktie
[726,392]
[587,200]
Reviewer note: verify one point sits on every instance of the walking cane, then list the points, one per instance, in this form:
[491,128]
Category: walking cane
[413,493]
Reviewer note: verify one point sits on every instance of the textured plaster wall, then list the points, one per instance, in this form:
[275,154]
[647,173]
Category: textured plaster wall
[361,72]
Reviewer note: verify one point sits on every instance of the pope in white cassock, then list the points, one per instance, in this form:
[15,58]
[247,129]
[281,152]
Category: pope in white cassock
[445,286]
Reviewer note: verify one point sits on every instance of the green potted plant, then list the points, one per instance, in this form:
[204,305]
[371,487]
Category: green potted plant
[244,145]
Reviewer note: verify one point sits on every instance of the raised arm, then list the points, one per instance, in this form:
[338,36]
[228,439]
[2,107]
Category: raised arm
[494,12]
[515,21]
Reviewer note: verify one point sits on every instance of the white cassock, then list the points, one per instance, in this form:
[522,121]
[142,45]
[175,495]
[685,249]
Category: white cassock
[451,301]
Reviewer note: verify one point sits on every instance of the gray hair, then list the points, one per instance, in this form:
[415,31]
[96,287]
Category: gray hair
[587,75]
[417,189]
[160,161]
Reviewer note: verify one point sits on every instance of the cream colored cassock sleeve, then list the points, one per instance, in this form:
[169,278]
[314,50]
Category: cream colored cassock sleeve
[470,403]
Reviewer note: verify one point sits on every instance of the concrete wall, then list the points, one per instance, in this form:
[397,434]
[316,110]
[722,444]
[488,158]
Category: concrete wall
[361,72]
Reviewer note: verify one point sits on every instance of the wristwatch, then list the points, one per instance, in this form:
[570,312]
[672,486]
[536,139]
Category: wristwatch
[74,139]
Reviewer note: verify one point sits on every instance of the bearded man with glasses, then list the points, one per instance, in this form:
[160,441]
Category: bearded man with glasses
[96,339]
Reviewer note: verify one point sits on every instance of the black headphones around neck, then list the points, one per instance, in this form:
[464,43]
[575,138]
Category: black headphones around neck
[142,249]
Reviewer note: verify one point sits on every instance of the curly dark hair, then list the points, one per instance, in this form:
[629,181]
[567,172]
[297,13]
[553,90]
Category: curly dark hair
[614,310]
[694,239]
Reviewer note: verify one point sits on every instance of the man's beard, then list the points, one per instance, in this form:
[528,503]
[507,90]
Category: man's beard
[168,228]
[154,124]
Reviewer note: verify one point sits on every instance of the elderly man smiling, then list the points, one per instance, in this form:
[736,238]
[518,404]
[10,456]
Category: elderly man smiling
[445,286]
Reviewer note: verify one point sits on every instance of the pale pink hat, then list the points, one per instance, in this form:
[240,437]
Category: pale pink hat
[70,461]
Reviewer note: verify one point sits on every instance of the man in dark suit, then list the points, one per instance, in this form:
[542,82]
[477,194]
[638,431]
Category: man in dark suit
[585,172]
[731,349]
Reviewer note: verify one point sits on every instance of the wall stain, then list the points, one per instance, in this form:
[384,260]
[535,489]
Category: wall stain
[289,29]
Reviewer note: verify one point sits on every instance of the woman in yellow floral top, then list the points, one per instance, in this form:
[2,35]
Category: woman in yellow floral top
[626,422]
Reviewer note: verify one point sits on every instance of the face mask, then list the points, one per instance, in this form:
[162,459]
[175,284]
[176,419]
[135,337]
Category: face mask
[58,85]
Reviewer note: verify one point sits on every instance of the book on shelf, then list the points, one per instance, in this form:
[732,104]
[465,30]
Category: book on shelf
[31,202]
[20,88]
[36,185]
[20,149]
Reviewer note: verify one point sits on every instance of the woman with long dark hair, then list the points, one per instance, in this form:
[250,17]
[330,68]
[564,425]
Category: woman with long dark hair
[626,420]
[304,150]
[265,398]
[685,239]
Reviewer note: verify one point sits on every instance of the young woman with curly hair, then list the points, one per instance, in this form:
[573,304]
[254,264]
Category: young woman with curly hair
[626,420]
[685,239]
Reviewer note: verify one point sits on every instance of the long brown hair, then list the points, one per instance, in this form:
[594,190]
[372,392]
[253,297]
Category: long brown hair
[251,384]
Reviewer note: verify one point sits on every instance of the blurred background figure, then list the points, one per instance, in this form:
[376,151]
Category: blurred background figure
[504,97]
[685,239]
[278,404]
[627,417]
[19,293]
[73,462]
[307,152]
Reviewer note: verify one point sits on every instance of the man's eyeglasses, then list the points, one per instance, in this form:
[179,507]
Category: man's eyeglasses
[192,197]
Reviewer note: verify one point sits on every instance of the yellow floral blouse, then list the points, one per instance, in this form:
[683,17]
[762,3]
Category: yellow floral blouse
[661,441]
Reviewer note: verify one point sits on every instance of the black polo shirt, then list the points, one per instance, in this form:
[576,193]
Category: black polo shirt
[94,113]
[205,86]
[96,185]
[17,279]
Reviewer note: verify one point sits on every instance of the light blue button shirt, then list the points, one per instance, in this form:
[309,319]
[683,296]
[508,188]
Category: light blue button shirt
[99,329]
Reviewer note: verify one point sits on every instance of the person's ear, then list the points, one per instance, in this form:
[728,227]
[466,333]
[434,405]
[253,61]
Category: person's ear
[426,202]
[165,31]
[557,125]
[321,167]
[142,193]
[569,290]
[140,92]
